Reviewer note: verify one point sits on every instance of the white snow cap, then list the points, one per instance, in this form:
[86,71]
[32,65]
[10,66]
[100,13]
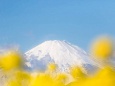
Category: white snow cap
[61,53]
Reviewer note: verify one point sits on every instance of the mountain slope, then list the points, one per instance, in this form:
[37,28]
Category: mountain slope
[61,53]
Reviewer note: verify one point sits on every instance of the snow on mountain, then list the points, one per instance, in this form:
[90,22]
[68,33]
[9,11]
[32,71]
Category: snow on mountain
[61,53]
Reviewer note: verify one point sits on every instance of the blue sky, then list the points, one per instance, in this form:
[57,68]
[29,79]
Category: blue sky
[27,23]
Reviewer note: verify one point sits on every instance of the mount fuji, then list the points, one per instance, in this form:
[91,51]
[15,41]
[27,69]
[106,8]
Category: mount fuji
[62,53]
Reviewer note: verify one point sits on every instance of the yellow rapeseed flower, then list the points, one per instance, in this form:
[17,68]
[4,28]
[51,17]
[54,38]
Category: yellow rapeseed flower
[52,67]
[45,80]
[61,77]
[10,60]
[19,78]
[102,47]
[77,72]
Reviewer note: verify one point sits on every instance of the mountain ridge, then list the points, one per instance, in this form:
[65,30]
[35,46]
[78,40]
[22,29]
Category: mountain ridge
[62,53]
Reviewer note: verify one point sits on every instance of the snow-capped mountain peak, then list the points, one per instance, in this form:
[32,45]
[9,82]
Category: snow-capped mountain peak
[61,53]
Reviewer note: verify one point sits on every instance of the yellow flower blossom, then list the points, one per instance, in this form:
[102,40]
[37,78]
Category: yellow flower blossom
[77,72]
[52,67]
[10,60]
[102,47]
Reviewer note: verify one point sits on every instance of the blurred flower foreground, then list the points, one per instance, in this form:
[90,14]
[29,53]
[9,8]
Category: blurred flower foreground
[12,72]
